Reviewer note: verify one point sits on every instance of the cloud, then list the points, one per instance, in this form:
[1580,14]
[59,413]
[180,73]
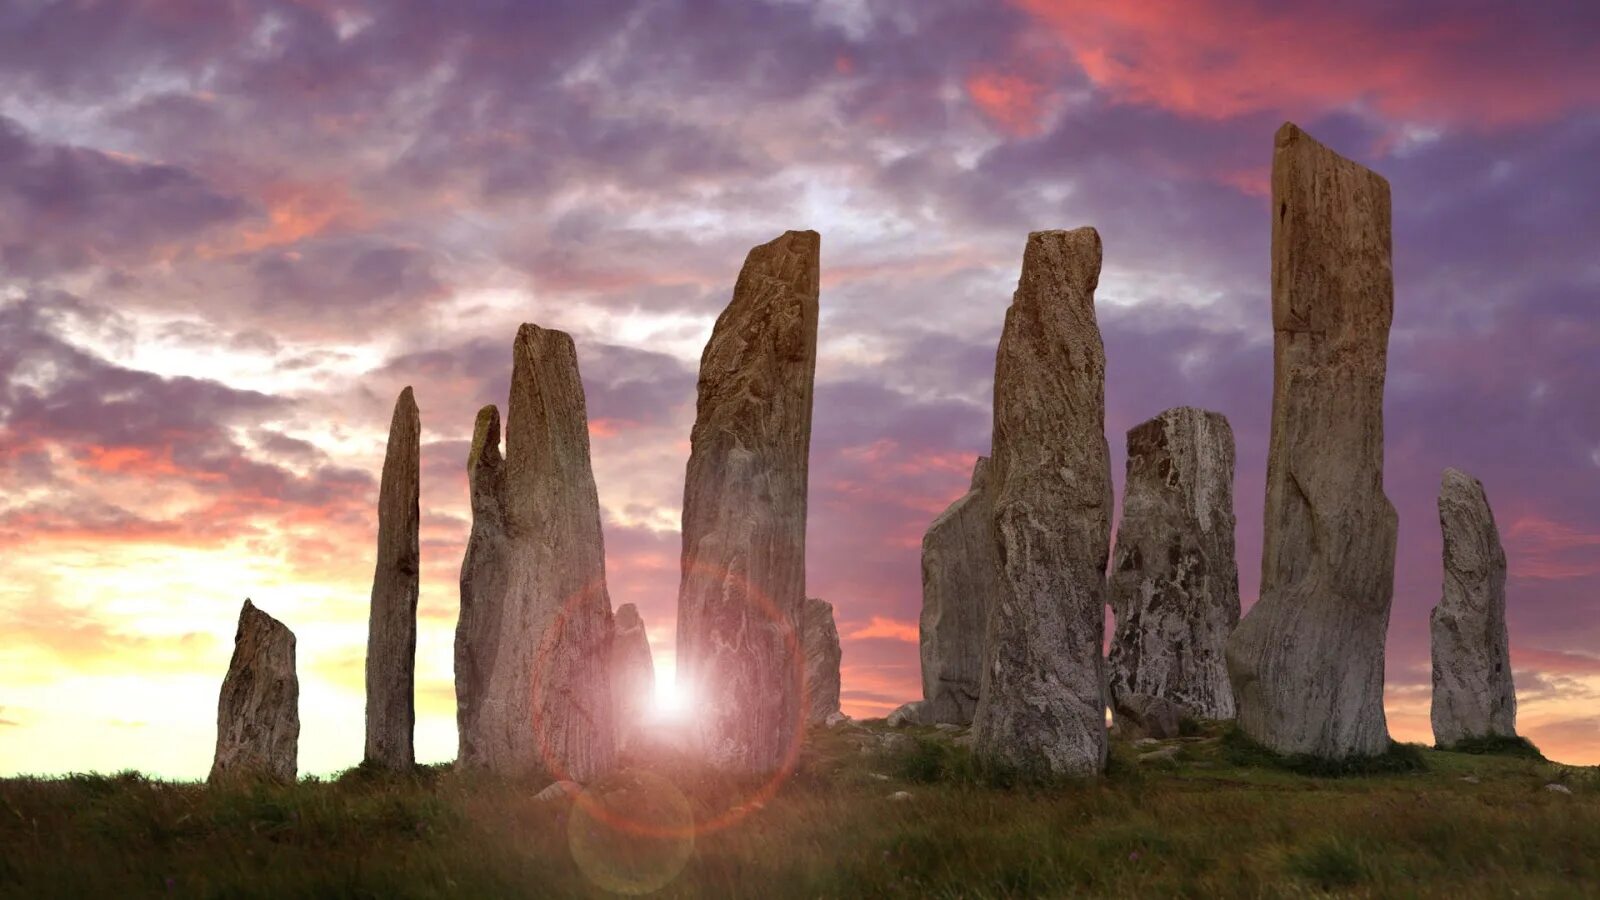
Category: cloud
[885,628]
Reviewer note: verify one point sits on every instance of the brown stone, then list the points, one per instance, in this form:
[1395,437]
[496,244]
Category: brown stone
[1042,701]
[744,512]
[258,711]
[633,674]
[958,585]
[392,617]
[1306,662]
[819,637]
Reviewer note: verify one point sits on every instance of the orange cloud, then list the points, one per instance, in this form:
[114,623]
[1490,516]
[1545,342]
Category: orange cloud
[1216,59]
[889,629]
[1014,102]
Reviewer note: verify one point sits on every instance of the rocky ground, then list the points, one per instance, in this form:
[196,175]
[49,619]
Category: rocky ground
[868,812]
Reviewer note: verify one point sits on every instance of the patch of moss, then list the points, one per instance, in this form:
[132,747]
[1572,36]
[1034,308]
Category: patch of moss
[1496,745]
[1240,750]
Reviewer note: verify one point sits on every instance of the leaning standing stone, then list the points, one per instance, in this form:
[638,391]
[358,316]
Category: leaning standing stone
[1042,703]
[1306,662]
[633,673]
[1174,583]
[958,584]
[392,618]
[1473,694]
[533,650]
[744,512]
[258,712]
[819,637]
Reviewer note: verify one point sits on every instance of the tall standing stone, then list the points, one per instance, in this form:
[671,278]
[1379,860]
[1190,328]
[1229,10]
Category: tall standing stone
[1174,582]
[633,673]
[392,618]
[958,585]
[1306,662]
[533,644]
[819,637]
[258,711]
[1473,695]
[744,511]
[1042,701]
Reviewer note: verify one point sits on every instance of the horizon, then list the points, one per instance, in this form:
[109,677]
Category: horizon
[230,236]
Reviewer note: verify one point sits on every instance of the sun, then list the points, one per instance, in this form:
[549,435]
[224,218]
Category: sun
[671,702]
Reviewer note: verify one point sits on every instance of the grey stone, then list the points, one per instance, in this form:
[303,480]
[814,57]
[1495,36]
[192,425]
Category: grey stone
[819,637]
[1557,788]
[1473,695]
[560,790]
[1306,662]
[1174,584]
[958,584]
[1042,698]
[1149,716]
[913,713]
[633,674]
[392,617]
[900,796]
[533,641]
[258,710]
[744,512]
[1164,755]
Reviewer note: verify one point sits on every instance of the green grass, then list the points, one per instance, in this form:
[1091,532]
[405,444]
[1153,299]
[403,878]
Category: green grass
[1397,760]
[1219,820]
[1496,745]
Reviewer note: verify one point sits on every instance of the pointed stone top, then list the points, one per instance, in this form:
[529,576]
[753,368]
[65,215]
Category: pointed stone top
[627,617]
[531,334]
[253,618]
[407,398]
[1291,140]
[1455,479]
[1287,134]
[980,473]
[485,433]
[820,604]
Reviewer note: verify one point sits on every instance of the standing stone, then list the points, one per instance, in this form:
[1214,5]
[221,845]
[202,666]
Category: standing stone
[1174,583]
[392,618]
[744,512]
[958,583]
[258,712]
[819,637]
[1472,691]
[1307,661]
[1042,701]
[533,652]
[633,673]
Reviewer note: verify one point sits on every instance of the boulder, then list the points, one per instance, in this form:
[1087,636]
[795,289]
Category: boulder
[633,674]
[1042,698]
[958,582]
[1144,716]
[1174,584]
[819,637]
[744,512]
[914,713]
[258,711]
[1306,662]
[533,648]
[392,617]
[1473,695]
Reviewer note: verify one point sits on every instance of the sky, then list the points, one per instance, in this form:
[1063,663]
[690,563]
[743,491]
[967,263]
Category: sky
[232,230]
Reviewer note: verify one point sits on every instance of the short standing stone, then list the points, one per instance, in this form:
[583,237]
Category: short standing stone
[958,582]
[1174,583]
[744,512]
[1306,662]
[1042,701]
[820,639]
[1473,695]
[258,712]
[533,652]
[392,618]
[633,673]
[914,713]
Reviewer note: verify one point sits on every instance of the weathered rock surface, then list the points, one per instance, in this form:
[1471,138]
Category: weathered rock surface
[1473,695]
[1042,700]
[819,637]
[392,617]
[533,644]
[958,583]
[633,673]
[258,711]
[744,511]
[1174,583]
[917,712]
[1147,716]
[1306,662]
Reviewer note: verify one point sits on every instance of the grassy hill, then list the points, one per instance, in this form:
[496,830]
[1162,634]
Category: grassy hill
[1204,816]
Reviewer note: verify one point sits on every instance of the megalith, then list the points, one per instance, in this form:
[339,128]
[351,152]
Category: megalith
[258,711]
[958,584]
[392,617]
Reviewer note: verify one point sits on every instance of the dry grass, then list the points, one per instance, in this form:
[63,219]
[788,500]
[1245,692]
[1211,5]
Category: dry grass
[1207,824]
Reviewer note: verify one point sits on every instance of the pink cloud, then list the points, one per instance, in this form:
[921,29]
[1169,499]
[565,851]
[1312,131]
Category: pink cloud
[886,628]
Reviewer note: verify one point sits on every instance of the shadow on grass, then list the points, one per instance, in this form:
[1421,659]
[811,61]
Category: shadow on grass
[1496,745]
[1400,759]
